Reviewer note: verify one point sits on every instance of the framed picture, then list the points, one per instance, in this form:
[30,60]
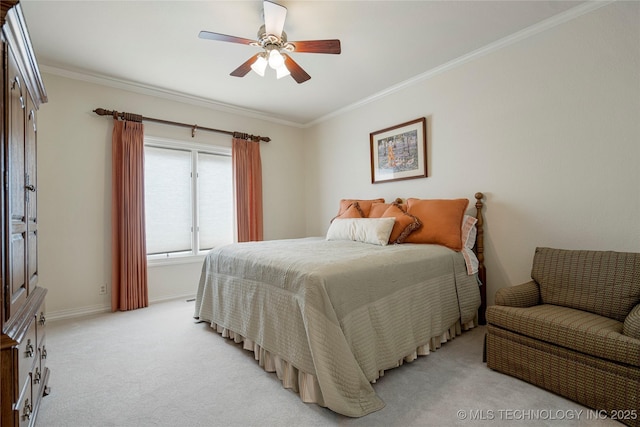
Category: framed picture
[399,152]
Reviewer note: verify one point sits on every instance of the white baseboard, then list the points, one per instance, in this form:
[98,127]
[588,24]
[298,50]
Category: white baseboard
[77,312]
[98,309]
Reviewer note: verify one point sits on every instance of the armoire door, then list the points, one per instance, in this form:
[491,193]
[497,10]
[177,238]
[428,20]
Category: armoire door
[16,202]
[31,187]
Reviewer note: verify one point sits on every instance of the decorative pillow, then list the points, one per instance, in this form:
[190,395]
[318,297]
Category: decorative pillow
[353,211]
[405,223]
[441,221]
[367,230]
[631,326]
[468,239]
[365,205]
[378,209]
[469,232]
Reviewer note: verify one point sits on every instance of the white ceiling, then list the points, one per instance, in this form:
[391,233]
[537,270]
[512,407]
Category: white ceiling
[155,44]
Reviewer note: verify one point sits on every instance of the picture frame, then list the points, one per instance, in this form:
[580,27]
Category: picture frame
[399,152]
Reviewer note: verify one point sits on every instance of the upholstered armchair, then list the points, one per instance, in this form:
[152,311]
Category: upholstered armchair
[574,329]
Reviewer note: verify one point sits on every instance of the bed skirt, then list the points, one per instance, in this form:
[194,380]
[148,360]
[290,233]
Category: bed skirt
[305,384]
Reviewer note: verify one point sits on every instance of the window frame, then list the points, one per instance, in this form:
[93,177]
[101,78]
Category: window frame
[195,255]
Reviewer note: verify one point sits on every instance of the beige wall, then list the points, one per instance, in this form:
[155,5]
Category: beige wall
[548,128]
[74,157]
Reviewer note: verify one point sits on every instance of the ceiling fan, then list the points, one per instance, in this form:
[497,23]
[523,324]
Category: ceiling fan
[276,48]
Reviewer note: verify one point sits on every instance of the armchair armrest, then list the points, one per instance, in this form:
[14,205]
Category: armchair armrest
[631,326]
[524,295]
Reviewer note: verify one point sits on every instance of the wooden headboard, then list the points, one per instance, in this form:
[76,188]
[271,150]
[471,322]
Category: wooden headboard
[479,251]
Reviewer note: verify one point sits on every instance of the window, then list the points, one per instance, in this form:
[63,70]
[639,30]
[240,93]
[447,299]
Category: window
[188,198]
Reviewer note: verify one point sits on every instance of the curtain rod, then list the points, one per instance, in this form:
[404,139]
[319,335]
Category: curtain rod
[139,118]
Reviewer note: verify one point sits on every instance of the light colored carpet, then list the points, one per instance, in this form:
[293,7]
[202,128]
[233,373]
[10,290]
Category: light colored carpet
[157,367]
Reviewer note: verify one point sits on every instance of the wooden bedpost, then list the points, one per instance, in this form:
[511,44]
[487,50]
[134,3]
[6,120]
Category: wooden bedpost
[479,250]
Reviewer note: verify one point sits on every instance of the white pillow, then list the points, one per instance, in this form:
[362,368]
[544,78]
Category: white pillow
[367,230]
[469,233]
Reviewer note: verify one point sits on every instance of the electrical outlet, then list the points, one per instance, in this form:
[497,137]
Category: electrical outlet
[103,289]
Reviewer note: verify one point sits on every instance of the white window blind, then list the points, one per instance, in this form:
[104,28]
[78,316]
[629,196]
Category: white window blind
[215,197]
[188,199]
[167,182]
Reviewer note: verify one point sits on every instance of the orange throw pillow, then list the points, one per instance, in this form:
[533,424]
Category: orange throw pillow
[405,223]
[378,209]
[365,205]
[353,211]
[441,221]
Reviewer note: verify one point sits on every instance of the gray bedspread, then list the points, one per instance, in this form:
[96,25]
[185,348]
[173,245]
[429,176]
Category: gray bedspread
[340,310]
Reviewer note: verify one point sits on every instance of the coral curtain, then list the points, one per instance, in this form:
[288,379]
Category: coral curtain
[247,175]
[129,252]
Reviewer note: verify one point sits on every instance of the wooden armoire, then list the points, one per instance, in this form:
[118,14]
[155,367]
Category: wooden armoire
[23,352]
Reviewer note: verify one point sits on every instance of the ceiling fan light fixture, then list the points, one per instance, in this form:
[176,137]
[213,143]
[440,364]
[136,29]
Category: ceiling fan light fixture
[276,60]
[260,65]
[282,71]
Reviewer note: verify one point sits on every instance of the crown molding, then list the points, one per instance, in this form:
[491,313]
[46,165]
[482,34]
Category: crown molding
[161,93]
[540,27]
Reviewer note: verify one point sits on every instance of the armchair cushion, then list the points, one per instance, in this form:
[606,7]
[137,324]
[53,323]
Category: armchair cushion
[602,282]
[587,333]
[631,325]
[524,295]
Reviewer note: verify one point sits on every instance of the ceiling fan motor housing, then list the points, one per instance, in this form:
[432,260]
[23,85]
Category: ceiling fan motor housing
[270,41]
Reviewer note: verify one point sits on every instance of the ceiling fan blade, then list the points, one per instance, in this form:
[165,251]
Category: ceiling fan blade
[296,71]
[317,46]
[242,70]
[274,16]
[223,37]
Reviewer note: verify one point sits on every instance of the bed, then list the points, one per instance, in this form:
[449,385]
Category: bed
[329,316]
